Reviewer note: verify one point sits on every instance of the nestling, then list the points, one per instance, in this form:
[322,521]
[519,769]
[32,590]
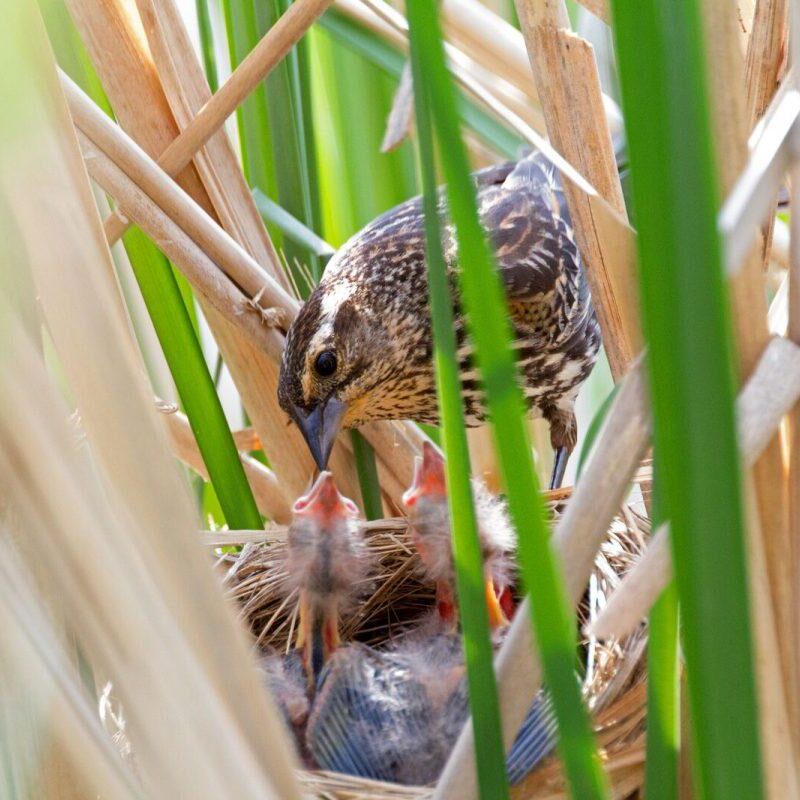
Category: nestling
[328,562]
[361,347]
[428,512]
[394,715]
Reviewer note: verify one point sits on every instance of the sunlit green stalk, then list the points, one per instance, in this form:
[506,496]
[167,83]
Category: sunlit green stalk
[193,381]
[207,43]
[663,699]
[291,133]
[686,323]
[383,55]
[291,227]
[553,620]
[368,480]
[241,25]
[663,683]
[485,710]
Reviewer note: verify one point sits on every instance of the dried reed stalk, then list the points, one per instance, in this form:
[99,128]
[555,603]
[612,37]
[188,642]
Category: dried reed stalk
[577,538]
[265,56]
[566,77]
[766,398]
[233,260]
[793,428]
[37,668]
[793,432]
[401,114]
[765,62]
[766,55]
[486,37]
[599,8]
[202,272]
[113,37]
[269,496]
[204,725]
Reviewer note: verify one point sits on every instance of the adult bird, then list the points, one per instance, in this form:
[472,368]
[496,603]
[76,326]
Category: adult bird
[361,348]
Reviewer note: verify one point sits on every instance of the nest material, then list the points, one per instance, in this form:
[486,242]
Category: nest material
[395,598]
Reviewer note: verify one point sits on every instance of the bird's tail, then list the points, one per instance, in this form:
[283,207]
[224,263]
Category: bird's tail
[533,167]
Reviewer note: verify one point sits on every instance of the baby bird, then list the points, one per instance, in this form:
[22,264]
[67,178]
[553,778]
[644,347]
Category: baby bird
[328,563]
[390,715]
[394,715]
[361,348]
[426,502]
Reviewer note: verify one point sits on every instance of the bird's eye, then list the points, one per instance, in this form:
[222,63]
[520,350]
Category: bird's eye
[325,364]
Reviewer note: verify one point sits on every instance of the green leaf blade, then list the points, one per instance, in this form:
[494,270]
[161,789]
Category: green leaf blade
[687,327]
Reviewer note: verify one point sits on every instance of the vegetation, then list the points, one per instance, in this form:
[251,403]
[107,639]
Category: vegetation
[128,674]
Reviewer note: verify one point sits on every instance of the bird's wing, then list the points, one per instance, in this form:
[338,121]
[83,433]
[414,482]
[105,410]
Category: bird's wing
[528,224]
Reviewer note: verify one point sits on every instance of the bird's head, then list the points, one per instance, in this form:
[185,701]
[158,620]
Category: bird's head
[429,515]
[359,351]
[327,563]
[429,479]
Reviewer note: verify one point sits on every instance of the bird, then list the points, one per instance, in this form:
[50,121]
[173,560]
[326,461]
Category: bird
[285,676]
[395,714]
[328,562]
[429,517]
[389,714]
[361,347]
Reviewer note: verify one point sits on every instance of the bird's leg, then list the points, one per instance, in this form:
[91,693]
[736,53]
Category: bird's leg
[559,468]
[563,435]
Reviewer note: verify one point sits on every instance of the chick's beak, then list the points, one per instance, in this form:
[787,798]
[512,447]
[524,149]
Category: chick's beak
[324,502]
[320,427]
[429,478]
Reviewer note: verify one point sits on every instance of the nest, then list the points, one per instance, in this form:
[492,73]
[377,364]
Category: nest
[614,684]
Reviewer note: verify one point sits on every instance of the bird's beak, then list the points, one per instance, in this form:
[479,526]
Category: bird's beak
[325,503]
[320,427]
[429,477]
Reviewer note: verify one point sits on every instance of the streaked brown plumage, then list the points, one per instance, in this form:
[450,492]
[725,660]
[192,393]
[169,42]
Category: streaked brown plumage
[361,347]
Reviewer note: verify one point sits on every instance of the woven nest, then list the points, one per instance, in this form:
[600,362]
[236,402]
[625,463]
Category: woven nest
[614,685]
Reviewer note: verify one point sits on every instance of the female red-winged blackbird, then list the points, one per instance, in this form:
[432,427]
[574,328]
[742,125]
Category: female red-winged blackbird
[361,347]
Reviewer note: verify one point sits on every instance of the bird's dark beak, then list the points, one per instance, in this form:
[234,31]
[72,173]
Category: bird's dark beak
[320,427]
